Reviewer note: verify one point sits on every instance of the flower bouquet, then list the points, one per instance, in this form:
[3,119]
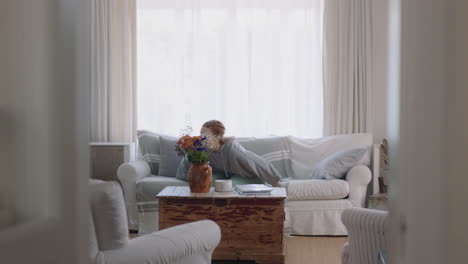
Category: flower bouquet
[195,151]
[193,148]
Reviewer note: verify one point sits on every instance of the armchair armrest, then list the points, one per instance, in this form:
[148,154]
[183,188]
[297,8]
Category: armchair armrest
[358,178]
[188,243]
[366,235]
[373,222]
[128,174]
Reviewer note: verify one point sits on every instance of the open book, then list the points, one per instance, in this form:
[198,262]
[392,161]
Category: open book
[253,188]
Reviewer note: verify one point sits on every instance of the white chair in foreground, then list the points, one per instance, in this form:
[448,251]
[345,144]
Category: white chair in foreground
[109,243]
[366,235]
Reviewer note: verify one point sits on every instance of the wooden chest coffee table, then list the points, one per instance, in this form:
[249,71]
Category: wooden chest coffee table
[251,225]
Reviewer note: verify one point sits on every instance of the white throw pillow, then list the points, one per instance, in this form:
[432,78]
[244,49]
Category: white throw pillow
[308,153]
[337,165]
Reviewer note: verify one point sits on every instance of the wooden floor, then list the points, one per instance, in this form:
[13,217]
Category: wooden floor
[310,250]
[314,250]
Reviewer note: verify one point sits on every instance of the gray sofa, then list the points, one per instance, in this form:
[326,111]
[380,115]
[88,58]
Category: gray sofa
[313,207]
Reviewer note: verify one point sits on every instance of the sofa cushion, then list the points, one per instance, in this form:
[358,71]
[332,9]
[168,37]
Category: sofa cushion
[149,187]
[284,182]
[306,154]
[337,165]
[317,189]
[109,215]
[169,159]
[150,145]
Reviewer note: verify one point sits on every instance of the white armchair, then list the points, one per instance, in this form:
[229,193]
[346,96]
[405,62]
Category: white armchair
[366,235]
[109,244]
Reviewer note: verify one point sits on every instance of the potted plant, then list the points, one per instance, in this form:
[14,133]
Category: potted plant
[195,151]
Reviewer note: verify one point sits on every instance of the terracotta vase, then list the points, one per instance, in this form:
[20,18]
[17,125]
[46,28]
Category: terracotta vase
[200,176]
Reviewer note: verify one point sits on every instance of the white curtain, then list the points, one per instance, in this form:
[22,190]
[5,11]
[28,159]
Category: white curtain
[113,75]
[347,65]
[256,65]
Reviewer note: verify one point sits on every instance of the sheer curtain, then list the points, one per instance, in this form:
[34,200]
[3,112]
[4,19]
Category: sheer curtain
[347,66]
[113,87]
[255,65]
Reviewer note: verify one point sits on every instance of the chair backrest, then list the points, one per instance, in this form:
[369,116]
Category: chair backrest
[366,234]
[108,216]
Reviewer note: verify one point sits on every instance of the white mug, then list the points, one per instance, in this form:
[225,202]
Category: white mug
[223,185]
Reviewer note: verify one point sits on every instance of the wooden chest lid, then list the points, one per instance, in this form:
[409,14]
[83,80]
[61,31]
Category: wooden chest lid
[184,192]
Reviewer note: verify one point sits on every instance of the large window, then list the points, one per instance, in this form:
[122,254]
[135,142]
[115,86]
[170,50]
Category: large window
[256,65]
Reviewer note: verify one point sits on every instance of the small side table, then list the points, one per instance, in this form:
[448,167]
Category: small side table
[379,201]
[107,157]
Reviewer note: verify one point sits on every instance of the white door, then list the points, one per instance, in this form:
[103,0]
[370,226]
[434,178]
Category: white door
[428,131]
[43,131]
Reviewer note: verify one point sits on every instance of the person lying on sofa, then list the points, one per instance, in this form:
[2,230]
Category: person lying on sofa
[228,156]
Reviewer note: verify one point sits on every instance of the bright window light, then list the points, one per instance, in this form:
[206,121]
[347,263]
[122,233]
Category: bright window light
[254,65]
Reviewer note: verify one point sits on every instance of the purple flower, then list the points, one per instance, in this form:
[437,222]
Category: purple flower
[201,149]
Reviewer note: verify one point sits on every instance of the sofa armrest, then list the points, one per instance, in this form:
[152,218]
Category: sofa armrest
[133,171]
[358,178]
[366,235]
[172,245]
[128,174]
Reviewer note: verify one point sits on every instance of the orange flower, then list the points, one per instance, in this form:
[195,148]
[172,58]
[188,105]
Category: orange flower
[188,141]
[186,144]
[183,139]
